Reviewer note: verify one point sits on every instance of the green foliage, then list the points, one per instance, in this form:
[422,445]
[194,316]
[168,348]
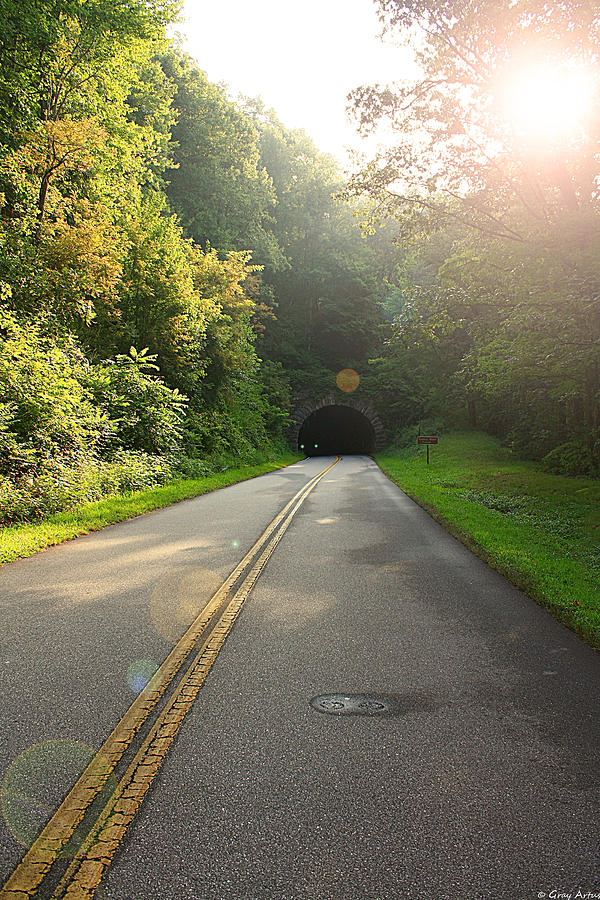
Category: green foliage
[69,432]
[144,413]
[277,397]
[93,259]
[571,458]
[499,302]
[46,410]
[218,188]
[60,57]
[56,486]
[326,287]
[162,302]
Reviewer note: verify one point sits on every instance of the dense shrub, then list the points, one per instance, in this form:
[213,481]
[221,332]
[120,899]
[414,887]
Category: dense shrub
[571,458]
[71,432]
[144,413]
[192,467]
[56,486]
[46,410]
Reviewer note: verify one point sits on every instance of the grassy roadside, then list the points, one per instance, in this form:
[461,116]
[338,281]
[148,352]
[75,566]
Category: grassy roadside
[542,531]
[24,540]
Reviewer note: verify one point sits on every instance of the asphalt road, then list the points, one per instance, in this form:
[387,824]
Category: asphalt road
[478,778]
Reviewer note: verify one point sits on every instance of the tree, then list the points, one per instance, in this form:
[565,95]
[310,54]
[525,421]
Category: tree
[326,290]
[459,152]
[46,411]
[521,270]
[218,187]
[65,61]
[78,146]
[62,57]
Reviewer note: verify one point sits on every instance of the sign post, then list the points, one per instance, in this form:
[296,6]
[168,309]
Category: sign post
[427,440]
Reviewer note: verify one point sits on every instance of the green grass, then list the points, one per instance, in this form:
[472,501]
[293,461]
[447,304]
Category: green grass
[542,531]
[24,540]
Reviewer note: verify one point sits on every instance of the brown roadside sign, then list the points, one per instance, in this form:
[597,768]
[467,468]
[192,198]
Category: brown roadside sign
[427,439]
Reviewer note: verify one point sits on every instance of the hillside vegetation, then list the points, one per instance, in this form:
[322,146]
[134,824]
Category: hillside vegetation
[172,264]
[178,269]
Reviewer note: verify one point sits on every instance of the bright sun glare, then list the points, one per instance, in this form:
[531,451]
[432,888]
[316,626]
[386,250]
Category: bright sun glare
[549,103]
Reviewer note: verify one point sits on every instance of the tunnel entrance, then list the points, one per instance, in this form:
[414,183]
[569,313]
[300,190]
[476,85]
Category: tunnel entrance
[336,429]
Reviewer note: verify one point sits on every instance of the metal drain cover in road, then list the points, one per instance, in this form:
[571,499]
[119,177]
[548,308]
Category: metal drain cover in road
[352,705]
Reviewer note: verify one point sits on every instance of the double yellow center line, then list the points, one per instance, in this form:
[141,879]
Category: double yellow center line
[173,688]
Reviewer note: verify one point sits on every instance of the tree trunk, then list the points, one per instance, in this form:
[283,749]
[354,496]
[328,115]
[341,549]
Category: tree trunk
[41,205]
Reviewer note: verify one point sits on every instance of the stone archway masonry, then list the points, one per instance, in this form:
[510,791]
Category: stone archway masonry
[305,408]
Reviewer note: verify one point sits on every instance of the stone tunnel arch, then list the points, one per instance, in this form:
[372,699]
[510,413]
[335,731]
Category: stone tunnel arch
[348,425]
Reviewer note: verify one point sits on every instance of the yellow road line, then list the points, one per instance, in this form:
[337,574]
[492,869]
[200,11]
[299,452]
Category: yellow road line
[89,865]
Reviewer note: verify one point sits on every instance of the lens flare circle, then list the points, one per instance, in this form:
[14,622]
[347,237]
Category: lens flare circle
[35,784]
[139,674]
[347,380]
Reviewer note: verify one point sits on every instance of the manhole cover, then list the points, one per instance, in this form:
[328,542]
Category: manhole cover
[351,705]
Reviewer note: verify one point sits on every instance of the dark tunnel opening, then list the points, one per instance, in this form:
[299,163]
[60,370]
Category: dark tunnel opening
[336,429]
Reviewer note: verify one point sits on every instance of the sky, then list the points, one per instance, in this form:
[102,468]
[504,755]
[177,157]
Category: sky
[302,58]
